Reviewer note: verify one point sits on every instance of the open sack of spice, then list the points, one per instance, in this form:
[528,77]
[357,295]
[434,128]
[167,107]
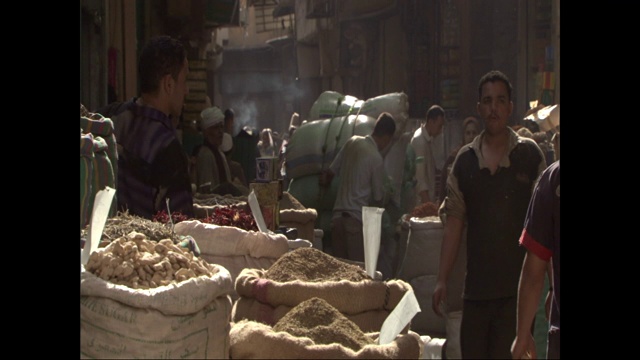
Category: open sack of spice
[235,248]
[314,329]
[267,295]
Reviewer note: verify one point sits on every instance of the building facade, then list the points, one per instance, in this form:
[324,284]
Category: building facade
[269,58]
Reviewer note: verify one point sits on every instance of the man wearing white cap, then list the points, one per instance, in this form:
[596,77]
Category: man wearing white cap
[212,167]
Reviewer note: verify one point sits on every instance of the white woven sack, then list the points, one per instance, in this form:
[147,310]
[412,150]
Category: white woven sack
[231,241]
[422,254]
[186,319]
[426,321]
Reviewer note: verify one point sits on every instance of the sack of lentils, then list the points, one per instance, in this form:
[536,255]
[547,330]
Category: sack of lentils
[315,329]
[305,273]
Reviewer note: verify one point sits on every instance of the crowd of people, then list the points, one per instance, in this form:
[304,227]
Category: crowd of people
[501,184]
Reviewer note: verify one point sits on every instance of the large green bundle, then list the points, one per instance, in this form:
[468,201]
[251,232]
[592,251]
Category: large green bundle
[315,144]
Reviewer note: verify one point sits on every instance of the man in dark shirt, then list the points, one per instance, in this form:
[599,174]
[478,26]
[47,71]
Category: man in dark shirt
[489,188]
[153,168]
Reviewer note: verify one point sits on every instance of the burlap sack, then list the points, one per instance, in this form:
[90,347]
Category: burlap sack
[346,296]
[253,340]
[236,263]
[254,310]
[187,319]
[303,220]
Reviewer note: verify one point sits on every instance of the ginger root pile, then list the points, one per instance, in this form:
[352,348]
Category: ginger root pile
[138,263]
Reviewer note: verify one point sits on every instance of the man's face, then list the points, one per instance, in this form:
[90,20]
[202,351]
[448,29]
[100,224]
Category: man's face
[434,126]
[215,133]
[494,106]
[179,91]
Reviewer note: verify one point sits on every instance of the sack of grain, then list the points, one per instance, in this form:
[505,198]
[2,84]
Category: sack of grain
[315,329]
[306,273]
[251,308]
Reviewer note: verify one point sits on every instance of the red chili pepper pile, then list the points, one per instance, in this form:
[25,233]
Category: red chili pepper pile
[163,217]
[232,216]
[224,216]
[424,210]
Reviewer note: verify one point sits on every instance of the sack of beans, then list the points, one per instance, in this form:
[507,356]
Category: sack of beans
[147,299]
[304,273]
[314,329]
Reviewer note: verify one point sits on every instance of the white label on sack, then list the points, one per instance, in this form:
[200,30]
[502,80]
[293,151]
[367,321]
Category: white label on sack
[99,214]
[257,213]
[406,309]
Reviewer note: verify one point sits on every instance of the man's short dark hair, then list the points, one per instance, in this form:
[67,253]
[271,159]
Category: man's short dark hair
[160,56]
[434,112]
[385,125]
[493,76]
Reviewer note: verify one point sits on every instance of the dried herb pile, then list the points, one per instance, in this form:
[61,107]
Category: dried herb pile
[313,265]
[124,223]
[318,320]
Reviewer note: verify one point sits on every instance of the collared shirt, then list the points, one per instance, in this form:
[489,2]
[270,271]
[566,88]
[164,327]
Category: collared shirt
[360,168]
[494,207]
[152,166]
[455,204]
[430,158]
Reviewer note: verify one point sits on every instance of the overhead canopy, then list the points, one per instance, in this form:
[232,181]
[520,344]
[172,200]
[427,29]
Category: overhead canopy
[547,118]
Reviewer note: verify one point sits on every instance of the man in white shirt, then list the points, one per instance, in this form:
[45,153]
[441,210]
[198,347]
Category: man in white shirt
[360,168]
[427,149]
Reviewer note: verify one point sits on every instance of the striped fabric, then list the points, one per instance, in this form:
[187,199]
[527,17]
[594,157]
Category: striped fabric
[151,164]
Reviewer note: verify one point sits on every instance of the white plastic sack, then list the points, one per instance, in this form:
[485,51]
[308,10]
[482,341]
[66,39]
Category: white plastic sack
[422,255]
[333,104]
